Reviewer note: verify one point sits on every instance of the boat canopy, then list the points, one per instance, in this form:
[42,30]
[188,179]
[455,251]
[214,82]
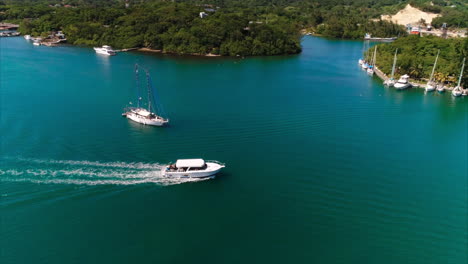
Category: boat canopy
[192,163]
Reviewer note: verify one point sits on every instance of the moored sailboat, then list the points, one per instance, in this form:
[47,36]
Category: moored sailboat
[391,82]
[140,114]
[457,91]
[440,88]
[370,68]
[431,85]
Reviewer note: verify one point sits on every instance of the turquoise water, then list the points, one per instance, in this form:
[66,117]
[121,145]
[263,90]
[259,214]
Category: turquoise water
[324,164]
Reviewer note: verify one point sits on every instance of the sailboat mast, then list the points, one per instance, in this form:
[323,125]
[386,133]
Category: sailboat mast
[137,81]
[433,68]
[394,63]
[461,73]
[149,90]
[375,54]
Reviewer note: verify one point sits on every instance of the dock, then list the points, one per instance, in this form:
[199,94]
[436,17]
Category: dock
[384,78]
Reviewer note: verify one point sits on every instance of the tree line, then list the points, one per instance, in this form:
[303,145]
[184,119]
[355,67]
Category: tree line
[416,57]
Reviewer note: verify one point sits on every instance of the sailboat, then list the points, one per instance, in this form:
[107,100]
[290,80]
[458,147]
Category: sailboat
[140,114]
[431,85]
[457,91]
[361,60]
[440,88]
[390,82]
[364,61]
[370,69]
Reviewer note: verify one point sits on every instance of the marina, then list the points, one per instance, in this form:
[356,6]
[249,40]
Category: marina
[404,81]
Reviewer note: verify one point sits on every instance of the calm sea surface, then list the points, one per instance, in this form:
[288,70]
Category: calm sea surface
[323,163]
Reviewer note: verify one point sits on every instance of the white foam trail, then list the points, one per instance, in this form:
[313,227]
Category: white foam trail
[128,165]
[162,181]
[88,173]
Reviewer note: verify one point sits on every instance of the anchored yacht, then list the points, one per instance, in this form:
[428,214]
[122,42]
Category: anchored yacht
[106,50]
[145,115]
[192,168]
[402,83]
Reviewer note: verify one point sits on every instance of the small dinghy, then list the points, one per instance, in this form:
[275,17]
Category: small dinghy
[192,168]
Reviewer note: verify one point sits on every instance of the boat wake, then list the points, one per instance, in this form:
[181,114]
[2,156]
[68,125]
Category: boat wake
[86,172]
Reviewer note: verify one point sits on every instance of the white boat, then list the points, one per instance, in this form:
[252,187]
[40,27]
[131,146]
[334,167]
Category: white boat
[363,61]
[192,168]
[391,82]
[27,37]
[140,114]
[105,50]
[457,91]
[143,116]
[402,83]
[440,88]
[431,85]
[370,68]
[35,43]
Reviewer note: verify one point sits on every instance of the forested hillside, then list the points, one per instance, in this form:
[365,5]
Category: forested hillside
[416,57]
[231,27]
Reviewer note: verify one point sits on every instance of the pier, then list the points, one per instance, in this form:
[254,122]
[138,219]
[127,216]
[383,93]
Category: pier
[384,77]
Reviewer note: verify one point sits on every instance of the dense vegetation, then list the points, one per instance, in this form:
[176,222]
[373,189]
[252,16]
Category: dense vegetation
[232,27]
[242,28]
[416,57]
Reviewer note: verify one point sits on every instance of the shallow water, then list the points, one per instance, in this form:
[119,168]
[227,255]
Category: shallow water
[324,164]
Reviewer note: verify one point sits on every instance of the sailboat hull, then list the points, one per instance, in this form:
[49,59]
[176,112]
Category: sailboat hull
[456,93]
[146,121]
[430,88]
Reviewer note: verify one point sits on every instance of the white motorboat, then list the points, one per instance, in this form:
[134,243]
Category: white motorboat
[105,50]
[27,37]
[457,91]
[431,85]
[402,83]
[192,168]
[35,43]
[364,65]
[145,115]
[361,61]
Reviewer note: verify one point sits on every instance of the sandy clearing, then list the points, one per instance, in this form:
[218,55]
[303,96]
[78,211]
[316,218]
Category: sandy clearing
[410,15]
